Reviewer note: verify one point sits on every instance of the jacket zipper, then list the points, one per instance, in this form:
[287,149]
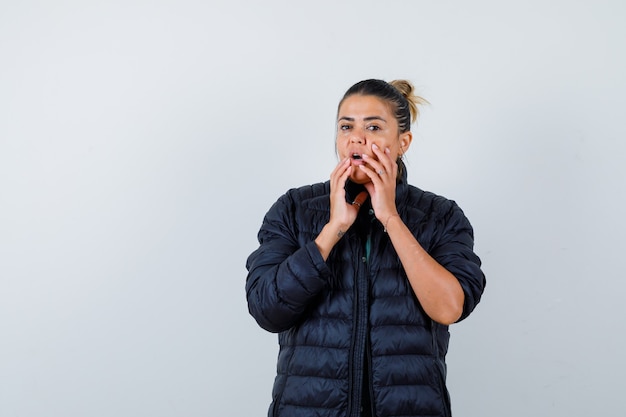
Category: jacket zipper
[360,333]
[371,386]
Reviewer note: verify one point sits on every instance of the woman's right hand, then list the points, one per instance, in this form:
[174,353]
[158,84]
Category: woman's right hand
[342,213]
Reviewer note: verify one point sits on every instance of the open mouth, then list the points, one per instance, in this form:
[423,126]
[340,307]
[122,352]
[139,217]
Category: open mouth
[357,156]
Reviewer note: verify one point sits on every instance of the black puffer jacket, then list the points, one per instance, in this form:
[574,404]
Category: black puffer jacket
[356,313]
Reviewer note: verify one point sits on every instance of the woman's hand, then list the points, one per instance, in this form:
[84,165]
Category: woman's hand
[342,213]
[382,188]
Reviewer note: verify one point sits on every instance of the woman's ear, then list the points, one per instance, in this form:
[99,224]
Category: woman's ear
[405,141]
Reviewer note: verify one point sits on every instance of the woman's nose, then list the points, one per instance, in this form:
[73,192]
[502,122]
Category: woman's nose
[358,136]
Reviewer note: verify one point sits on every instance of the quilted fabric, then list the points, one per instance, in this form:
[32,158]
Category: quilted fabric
[356,308]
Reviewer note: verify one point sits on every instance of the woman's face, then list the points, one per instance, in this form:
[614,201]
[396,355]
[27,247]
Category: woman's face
[363,121]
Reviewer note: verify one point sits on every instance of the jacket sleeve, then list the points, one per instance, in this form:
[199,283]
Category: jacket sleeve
[284,276]
[454,250]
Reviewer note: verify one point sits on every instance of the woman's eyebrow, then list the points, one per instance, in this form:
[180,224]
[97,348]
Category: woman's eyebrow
[370,118]
[367,119]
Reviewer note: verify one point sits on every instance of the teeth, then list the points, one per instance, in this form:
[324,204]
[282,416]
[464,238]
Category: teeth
[356,156]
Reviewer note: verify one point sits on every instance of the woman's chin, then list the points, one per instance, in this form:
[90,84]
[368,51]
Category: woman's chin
[359,178]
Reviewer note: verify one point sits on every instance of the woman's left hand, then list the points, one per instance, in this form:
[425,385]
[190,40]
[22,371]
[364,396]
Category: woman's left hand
[382,188]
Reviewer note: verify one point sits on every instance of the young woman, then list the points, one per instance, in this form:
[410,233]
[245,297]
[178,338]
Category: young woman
[362,275]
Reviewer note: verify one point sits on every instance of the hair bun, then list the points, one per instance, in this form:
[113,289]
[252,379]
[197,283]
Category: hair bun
[408,91]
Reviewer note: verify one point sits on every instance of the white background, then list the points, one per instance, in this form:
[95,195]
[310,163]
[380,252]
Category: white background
[141,143]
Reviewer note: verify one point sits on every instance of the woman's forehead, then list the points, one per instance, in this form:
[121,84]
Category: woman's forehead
[359,107]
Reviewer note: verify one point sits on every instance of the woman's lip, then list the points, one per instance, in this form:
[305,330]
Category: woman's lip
[362,157]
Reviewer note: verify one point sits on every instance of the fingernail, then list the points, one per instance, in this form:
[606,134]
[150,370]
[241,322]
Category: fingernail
[374,146]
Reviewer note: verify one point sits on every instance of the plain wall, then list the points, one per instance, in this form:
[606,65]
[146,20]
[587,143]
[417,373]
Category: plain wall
[141,143]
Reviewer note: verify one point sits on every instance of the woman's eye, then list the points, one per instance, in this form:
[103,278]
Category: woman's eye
[344,127]
[373,127]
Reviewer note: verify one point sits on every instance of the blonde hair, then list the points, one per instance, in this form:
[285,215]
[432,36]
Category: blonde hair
[405,87]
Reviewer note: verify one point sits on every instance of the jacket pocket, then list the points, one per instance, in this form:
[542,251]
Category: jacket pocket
[440,372]
[443,390]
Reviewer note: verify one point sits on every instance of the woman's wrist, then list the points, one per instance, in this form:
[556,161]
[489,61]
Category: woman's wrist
[328,238]
[388,219]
